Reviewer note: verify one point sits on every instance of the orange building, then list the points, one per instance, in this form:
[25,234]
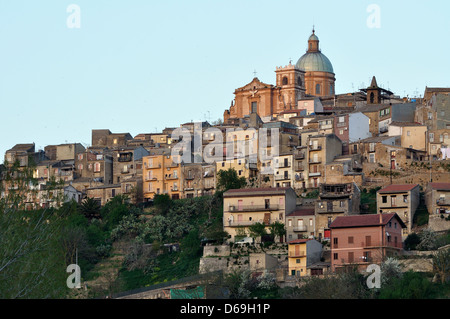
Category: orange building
[161,175]
[312,75]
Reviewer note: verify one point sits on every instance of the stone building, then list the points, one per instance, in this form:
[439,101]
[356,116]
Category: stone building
[401,199]
[335,200]
[301,223]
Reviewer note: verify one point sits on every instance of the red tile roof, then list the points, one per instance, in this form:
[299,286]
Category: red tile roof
[364,220]
[302,212]
[396,188]
[298,241]
[440,186]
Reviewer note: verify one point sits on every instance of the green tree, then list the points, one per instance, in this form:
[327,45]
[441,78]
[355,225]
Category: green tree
[229,179]
[90,208]
[257,230]
[277,229]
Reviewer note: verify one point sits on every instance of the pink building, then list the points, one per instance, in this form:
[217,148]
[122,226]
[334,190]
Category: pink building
[365,239]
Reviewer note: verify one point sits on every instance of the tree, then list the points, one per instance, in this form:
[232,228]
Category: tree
[277,229]
[441,264]
[90,208]
[229,179]
[257,230]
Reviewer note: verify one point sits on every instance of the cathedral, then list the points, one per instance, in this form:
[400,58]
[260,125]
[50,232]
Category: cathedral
[311,76]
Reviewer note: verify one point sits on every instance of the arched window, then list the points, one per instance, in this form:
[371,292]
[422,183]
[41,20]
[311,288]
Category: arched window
[372,97]
[317,88]
[299,81]
[331,89]
[285,80]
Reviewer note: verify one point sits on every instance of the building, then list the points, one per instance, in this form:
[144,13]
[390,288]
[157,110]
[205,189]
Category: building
[103,138]
[335,200]
[379,117]
[302,253]
[412,135]
[350,128]
[301,223]
[437,198]
[161,174]
[245,207]
[95,165]
[365,239]
[321,150]
[283,171]
[311,76]
[401,199]
[127,163]
[63,151]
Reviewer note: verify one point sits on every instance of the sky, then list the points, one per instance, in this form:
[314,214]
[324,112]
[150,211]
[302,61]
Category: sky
[140,66]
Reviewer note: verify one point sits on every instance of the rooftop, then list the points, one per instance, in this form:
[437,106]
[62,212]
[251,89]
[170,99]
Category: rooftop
[364,220]
[397,188]
[440,186]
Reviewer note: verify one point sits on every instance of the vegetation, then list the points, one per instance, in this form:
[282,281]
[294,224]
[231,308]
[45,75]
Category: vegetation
[229,179]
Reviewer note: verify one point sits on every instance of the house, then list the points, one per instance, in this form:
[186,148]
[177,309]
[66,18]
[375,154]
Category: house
[245,207]
[161,174]
[300,223]
[365,239]
[284,170]
[335,200]
[439,144]
[379,117]
[345,169]
[63,152]
[104,193]
[302,253]
[95,165]
[321,150]
[350,128]
[401,199]
[412,135]
[71,193]
[127,162]
[437,198]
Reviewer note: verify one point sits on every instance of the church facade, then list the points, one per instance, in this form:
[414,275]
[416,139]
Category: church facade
[311,76]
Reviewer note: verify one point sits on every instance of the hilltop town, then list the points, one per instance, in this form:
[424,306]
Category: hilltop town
[348,176]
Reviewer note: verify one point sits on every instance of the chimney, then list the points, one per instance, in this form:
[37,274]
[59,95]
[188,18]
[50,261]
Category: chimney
[381,219]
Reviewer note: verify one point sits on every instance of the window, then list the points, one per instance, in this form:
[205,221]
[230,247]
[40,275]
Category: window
[384,199]
[405,198]
[297,261]
[430,116]
[341,132]
[431,137]
[335,242]
[408,133]
[350,257]
[335,256]
[350,239]
[285,80]
[80,167]
[331,89]
[97,167]
[317,88]
[299,81]
[372,158]
[80,156]
[393,198]
[254,107]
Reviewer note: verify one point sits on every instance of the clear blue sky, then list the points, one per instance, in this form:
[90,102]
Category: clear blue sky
[140,66]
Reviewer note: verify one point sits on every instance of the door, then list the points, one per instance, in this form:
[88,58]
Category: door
[267,218]
[239,204]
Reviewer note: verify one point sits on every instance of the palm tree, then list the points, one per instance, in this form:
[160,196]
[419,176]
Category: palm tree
[90,208]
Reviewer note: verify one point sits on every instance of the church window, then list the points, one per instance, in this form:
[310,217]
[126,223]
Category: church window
[285,80]
[254,107]
[317,88]
[299,81]
[331,89]
[372,97]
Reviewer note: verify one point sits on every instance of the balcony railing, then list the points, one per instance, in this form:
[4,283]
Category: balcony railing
[300,228]
[315,160]
[282,177]
[253,208]
[237,223]
[315,147]
[299,156]
[443,201]
[386,244]
[284,165]
[310,174]
[295,254]
[154,166]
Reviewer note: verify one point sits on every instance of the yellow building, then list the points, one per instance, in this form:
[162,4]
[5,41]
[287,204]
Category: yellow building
[245,207]
[161,175]
[242,166]
[302,255]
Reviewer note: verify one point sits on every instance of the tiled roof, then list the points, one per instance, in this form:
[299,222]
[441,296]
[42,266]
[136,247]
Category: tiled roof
[396,188]
[302,212]
[440,186]
[398,123]
[298,241]
[364,220]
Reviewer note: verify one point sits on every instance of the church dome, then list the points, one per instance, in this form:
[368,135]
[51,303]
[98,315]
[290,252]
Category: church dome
[314,61]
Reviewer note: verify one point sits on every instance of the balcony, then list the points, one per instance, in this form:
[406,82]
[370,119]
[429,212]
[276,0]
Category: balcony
[299,167]
[154,166]
[125,157]
[150,178]
[296,254]
[315,147]
[300,228]
[313,160]
[443,201]
[172,165]
[253,208]
[314,174]
[299,156]
[244,223]
[171,177]
[386,244]
[284,165]
[283,177]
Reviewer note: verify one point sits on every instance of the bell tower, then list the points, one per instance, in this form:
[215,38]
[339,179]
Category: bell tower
[290,82]
[373,92]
